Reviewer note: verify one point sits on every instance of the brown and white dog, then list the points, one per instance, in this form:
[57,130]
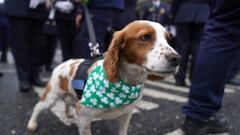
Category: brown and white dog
[137,52]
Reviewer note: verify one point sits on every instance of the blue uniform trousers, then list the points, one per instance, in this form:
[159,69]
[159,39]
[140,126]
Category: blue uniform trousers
[219,47]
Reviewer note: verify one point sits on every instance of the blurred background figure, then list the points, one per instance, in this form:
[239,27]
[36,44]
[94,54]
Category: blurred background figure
[157,11]
[189,17]
[65,18]
[103,14]
[51,41]
[26,39]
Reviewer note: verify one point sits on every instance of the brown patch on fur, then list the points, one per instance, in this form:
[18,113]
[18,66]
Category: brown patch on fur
[155,77]
[73,67]
[47,90]
[63,83]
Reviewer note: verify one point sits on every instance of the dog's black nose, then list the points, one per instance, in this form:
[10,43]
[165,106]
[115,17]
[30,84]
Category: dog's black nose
[173,58]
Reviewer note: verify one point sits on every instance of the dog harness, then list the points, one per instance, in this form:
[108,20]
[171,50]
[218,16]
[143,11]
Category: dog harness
[100,93]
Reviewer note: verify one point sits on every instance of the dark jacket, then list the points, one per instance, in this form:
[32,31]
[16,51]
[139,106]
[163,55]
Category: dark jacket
[186,11]
[117,4]
[20,8]
[127,16]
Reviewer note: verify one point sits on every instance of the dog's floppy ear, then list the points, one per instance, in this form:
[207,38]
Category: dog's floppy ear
[111,61]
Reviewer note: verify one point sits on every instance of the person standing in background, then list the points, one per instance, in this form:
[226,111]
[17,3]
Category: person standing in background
[26,39]
[65,18]
[189,17]
[4,26]
[103,14]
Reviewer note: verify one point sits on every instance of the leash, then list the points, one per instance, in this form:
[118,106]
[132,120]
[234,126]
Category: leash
[93,42]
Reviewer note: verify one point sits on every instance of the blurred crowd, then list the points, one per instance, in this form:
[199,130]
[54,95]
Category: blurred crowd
[33,30]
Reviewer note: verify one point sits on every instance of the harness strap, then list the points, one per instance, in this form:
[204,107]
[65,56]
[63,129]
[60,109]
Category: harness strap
[80,79]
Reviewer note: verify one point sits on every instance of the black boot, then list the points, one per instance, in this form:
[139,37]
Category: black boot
[25,86]
[212,125]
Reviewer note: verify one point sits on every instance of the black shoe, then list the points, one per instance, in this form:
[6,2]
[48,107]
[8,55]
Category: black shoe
[234,82]
[25,87]
[38,82]
[213,125]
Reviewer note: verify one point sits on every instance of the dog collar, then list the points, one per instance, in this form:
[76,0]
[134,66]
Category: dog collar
[100,93]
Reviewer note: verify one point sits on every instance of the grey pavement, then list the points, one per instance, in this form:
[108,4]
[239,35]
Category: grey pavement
[158,114]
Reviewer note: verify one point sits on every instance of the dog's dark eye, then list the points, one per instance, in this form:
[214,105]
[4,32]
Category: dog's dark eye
[146,37]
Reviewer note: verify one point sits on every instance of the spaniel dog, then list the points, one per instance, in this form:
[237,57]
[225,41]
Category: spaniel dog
[138,52]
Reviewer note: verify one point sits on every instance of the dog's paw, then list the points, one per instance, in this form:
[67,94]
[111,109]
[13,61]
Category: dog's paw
[32,126]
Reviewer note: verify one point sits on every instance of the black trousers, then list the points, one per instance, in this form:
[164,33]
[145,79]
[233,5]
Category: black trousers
[66,32]
[26,40]
[188,40]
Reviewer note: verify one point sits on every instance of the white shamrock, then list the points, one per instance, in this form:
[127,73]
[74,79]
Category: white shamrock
[122,95]
[88,94]
[103,90]
[110,95]
[118,100]
[99,93]
[113,90]
[126,89]
[118,85]
[93,89]
[89,81]
[104,100]
[95,75]
[93,101]
[106,83]
[97,83]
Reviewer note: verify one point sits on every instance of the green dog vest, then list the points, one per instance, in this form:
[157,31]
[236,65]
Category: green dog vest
[100,93]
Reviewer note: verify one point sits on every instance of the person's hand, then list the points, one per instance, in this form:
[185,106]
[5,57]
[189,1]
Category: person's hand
[78,20]
[64,6]
[49,4]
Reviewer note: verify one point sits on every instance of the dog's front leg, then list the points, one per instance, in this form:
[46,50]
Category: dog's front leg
[124,121]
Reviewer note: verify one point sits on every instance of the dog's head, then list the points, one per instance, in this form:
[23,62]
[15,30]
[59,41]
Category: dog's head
[144,44]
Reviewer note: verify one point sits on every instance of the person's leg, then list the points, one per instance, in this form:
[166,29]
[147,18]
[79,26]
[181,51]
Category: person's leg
[19,43]
[183,48]
[37,46]
[67,37]
[216,55]
[4,36]
[51,44]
